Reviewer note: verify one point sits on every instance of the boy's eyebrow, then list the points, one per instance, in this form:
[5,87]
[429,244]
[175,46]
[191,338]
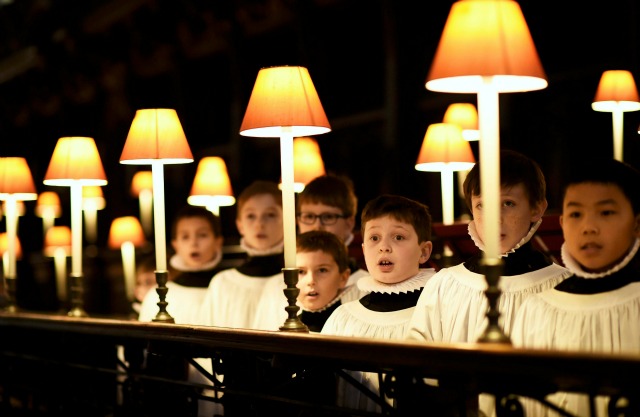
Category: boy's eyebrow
[598,203]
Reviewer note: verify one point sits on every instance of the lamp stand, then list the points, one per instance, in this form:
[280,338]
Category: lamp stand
[492,269]
[163,315]
[77,291]
[11,294]
[293,322]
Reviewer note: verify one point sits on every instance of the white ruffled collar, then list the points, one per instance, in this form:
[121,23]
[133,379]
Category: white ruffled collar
[275,249]
[572,265]
[473,232]
[369,284]
[178,263]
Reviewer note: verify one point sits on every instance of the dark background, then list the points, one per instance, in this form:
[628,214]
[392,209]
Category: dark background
[82,68]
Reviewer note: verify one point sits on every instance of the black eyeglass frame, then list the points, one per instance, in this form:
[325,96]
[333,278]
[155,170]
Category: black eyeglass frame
[326,219]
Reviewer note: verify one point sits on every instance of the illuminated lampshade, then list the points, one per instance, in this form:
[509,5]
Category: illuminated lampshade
[307,162]
[48,205]
[211,184]
[156,138]
[57,244]
[76,163]
[464,115]
[93,198]
[16,179]
[284,103]
[142,180]
[486,48]
[444,150]
[4,246]
[125,234]
[617,93]
[142,188]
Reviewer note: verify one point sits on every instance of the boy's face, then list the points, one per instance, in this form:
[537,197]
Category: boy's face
[260,222]
[392,251]
[145,281]
[195,243]
[341,228]
[598,225]
[319,280]
[516,215]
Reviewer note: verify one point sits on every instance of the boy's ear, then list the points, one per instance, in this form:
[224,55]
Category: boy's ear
[174,244]
[344,277]
[538,211]
[425,251]
[239,227]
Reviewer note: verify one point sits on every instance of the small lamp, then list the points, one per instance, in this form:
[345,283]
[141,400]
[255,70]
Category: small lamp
[48,207]
[92,201]
[464,115]
[57,244]
[486,48]
[4,252]
[211,185]
[126,234]
[284,104]
[444,150]
[142,189]
[16,184]
[307,162]
[156,138]
[76,163]
[617,93]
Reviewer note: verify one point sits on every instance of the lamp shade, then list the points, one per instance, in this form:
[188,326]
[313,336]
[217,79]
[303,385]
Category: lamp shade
[307,161]
[16,180]
[156,135]
[4,245]
[211,184]
[444,148]
[57,237]
[464,115]
[75,160]
[93,198]
[486,38]
[48,204]
[125,229]
[142,180]
[284,98]
[616,91]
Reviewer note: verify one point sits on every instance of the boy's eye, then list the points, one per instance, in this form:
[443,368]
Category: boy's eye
[374,238]
[509,203]
[398,237]
[323,270]
[574,214]
[608,212]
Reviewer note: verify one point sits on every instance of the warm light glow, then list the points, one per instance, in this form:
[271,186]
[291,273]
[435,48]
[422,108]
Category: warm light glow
[444,150]
[75,160]
[211,184]
[284,103]
[307,162]
[4,245]
[156,138]
[486,48]
[617,93]
[142,188]
[142,180]
[126,233]
[6,257]
[284,97]
[486,39]
[464,115]
[93,198]
[57,244]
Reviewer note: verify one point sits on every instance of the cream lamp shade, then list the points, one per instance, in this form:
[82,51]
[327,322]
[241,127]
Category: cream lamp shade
[211,184]
[464,115]
[617,93]
[75,160]
[142,181]
[93,198]
[126,229]
[307,162]
[4,246]
[48,205]
[57,237]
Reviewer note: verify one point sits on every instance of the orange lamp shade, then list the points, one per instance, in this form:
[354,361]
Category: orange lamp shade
[4,245]
[307,160]
[48,204]
[156,135]
[444,148]
[211,184]
[486,38]
[126,229]
[75,160]
[284,98]
[142,180]
[93,198]
[616,91]
[57,237]
[16,179]
[464,115]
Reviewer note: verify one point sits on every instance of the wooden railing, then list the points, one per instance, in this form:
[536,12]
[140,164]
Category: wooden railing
[59,365]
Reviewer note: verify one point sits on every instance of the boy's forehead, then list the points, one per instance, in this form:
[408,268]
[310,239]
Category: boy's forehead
[593,193]
[387,220]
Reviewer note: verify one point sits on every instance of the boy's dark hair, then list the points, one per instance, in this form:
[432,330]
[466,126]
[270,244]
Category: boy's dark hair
[402,209]
[515,168]
[196,211]
[259,187]
[331,190]
[605,171]
[321,240]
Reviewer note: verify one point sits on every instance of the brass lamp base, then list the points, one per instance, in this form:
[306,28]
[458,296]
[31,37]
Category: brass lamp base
[293,322]
[77,309]
[162,316]
[493,333]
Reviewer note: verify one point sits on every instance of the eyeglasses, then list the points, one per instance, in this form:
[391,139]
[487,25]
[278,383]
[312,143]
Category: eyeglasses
[326,219]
